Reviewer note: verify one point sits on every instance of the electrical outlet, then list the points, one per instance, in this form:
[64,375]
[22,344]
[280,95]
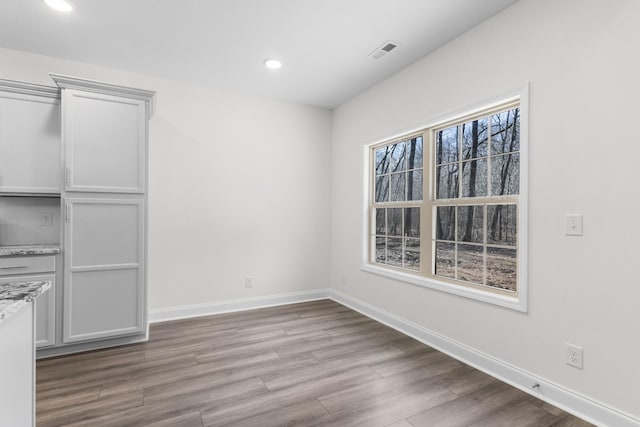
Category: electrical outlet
[248,282]
[46,219]
[574,356]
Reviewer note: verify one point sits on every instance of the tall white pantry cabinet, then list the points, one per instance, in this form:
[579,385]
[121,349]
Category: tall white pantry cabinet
[84,142]
[104,144]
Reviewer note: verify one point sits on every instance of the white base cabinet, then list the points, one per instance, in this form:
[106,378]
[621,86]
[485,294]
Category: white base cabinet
[46,313]
[17,385]
[32,269]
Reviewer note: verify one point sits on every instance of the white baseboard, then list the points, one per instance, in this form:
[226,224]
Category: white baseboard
[196,310]
[568,400]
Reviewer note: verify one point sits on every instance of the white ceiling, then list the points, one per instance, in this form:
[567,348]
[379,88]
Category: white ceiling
[324,44]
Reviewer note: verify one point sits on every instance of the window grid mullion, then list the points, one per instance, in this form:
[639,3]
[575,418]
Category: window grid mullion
[489,153]
[485,254]
[460,139]
[455,242]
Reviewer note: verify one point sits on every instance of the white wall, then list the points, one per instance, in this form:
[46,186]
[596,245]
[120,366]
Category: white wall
[238,185]
[581,58]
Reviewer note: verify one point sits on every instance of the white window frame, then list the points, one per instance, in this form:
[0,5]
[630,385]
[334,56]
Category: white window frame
[517,301]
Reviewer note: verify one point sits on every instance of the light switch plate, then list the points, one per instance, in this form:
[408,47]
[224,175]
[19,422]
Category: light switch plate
[574,225]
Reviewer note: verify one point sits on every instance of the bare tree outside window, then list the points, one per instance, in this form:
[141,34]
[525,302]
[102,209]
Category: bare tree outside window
[489,160]
[398,184]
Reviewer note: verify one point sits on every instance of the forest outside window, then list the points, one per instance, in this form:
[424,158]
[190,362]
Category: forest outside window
[445,202]
[398,185]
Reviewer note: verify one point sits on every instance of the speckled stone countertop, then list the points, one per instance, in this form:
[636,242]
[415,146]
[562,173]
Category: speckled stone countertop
[15,295]
[29,250]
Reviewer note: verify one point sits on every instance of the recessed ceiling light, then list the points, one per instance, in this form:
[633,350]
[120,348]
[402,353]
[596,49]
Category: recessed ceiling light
[61,5]
[272,64]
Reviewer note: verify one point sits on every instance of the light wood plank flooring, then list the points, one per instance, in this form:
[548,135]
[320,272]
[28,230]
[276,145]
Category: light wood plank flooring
[311,364]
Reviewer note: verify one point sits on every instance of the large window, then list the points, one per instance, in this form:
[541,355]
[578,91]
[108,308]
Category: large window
[445,202]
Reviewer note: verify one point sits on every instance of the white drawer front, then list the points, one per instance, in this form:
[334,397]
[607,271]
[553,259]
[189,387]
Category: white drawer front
[27,265]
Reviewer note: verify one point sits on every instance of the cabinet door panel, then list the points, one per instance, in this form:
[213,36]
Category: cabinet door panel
[105,234]
[104,303]
[104,269]
[30,145]
[105,143]
[45,305]
[46,315]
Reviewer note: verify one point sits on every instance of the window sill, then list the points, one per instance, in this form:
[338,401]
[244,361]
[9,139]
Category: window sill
[517,303]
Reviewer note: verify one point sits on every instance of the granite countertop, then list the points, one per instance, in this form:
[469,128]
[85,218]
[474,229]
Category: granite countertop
[15,295]
[29,250]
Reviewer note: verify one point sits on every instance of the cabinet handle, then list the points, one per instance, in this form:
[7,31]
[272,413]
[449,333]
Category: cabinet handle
[67,176]
[13,266]
[66,213]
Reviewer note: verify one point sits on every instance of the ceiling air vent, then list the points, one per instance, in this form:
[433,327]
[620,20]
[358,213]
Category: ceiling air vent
[383,49]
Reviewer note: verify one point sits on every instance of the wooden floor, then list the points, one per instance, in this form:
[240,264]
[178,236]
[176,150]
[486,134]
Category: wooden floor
[309,364]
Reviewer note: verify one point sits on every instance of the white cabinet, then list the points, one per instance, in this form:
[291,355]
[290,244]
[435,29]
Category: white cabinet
[46,314]
[104,147]
[36,268]
[30,160]
[104,280]
[105,143]
[104,134]
[17,385]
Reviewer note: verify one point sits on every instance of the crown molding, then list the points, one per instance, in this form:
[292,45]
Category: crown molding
[70,82]
[29,89]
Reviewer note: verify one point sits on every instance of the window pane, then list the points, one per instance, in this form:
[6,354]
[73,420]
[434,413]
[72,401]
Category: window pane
[382,189]
[414,185]
[470,223]
[505,174]
[394,222]
[383,159]
[501,268]
[380,250]
[447,181]
[447,145]
[502,224]
[474,178]
[470,263]
[394,251]
[445,259]
[414,153]
[505,132]
[398,155]
[398,187]
[474,139]
[380,221]
[412,222]
[412,254]
[445,222]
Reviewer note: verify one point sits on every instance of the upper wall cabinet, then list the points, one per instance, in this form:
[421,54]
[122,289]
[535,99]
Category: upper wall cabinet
[29,138]
[104,129]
